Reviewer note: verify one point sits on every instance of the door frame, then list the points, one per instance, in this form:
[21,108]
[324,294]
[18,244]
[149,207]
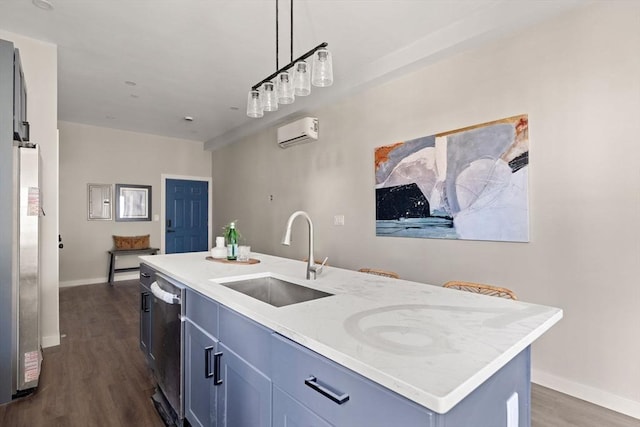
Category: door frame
[163,208]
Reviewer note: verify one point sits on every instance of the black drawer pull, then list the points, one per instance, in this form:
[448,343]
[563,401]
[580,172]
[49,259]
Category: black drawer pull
[336,397]
[216,377]
[207,362]
[144,302]
[145,275]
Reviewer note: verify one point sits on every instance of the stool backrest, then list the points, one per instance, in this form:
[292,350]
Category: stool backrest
[480,288]
[380,272]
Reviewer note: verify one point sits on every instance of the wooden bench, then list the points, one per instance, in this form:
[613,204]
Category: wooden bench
[113,253]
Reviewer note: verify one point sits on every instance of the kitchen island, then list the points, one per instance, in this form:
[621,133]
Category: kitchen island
[432,346]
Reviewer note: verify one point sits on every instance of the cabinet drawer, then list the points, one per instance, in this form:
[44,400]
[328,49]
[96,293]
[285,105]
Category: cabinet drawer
[247,338]
[337,394]
[202,311]
[147,275]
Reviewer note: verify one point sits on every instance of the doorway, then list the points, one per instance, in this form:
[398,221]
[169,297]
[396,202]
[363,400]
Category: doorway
[186,214]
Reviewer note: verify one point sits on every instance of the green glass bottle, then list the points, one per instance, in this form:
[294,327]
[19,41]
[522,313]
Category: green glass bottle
[232,242]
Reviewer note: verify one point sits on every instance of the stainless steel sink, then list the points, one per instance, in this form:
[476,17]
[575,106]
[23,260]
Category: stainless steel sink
[274,291]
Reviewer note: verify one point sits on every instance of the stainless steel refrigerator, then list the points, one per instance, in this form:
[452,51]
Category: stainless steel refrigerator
[26,343]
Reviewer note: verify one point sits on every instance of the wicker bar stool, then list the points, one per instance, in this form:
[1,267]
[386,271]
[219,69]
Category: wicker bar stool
[480,288]
[377,272]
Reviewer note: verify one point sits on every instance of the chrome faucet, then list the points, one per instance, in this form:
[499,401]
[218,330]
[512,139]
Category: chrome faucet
[286,240]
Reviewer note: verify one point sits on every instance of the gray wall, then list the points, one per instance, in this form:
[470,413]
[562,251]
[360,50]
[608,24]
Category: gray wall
[90,154]
[578,78]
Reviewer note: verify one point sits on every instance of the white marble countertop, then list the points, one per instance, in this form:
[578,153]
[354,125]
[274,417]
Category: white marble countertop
[430,344]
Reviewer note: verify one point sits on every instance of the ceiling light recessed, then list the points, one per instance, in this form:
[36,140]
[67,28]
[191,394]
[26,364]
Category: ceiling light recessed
[130,83]
[234,108]
[43,4]
[134,96]
[188,118]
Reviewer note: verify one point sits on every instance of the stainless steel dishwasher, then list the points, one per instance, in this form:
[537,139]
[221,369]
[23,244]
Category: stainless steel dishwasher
[166,348]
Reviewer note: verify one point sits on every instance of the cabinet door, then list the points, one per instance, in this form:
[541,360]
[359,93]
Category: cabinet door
[288,412]
[341,396]
[19,100]
[145,321]
[244,397]
[199,376]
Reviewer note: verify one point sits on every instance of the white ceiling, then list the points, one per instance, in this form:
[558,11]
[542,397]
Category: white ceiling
[200,57]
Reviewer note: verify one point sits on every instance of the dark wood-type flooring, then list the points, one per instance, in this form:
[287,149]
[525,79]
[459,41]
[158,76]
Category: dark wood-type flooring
[98,377]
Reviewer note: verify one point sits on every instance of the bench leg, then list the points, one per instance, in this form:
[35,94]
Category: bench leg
[111,268]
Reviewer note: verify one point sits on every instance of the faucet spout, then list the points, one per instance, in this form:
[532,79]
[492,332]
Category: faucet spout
[286,240]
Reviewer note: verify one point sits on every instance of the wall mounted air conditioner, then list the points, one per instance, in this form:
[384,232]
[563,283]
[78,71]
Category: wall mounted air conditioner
[302,130]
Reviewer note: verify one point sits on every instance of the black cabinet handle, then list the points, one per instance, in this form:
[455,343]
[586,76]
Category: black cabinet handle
[338,397]
[145,275]
[216,372]
[207,362]
[144,302]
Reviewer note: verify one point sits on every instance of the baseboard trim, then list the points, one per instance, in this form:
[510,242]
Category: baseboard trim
[119,277]
[50,341]
[590,394]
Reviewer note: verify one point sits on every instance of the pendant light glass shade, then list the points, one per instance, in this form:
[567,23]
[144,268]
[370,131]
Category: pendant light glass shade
[285,88]
[269,97]
[254,104]
[301,79]
[322,68]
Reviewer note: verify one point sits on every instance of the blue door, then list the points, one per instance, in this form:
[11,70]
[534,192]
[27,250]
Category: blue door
[187,219]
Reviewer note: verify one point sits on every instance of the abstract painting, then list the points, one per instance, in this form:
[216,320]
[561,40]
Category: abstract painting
[469,184]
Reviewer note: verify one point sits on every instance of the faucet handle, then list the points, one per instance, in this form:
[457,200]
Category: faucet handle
[323,262]
[317,269]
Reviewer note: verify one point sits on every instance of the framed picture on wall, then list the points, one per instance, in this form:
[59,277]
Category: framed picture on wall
[133,202]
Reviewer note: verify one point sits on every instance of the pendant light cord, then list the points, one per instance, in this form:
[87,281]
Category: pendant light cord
[292,63]
[278,35]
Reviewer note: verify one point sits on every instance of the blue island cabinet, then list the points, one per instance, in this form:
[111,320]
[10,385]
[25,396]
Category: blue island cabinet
[316,391]
[240,374]
[227,363]
[289,412]
[244,397]
[200,356]
[335,394]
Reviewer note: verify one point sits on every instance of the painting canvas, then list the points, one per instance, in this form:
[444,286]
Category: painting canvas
[469,184]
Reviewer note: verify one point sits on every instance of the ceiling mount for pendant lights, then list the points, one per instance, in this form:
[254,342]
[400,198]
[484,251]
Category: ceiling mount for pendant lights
[294,79]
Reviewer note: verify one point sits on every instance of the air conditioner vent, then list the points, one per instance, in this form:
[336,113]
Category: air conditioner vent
[298,132]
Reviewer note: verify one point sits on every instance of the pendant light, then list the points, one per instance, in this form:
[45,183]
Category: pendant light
[285,88]
[322,68]
[301,79]
[269,97]
[294,79]
[254,104]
